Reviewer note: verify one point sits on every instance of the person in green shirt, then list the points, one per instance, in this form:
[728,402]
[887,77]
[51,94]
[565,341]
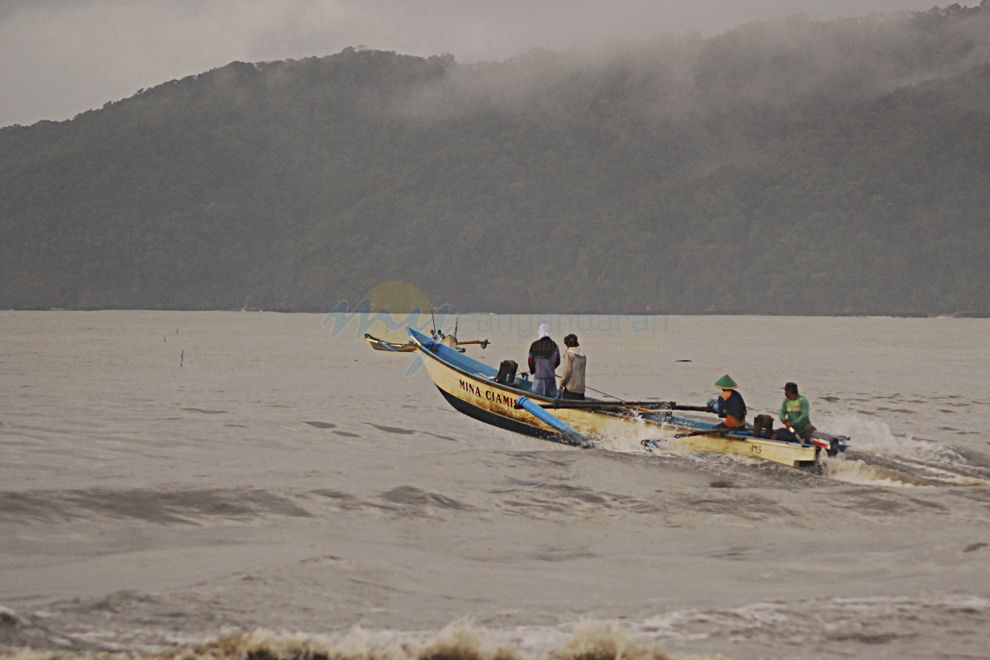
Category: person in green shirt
[794,414]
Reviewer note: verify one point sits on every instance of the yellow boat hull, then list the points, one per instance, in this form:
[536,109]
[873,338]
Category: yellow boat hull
[786,453]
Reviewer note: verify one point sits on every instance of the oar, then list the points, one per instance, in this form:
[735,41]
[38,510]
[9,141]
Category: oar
[689,434]
[812,440]
[482,342]
[724,432]
[552,420]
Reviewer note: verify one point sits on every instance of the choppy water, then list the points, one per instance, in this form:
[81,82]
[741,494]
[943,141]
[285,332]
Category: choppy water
[287,491]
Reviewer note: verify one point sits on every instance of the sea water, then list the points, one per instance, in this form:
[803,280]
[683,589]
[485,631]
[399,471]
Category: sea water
[231,484]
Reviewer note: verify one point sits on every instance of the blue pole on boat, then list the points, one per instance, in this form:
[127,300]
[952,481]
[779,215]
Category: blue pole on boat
[552,420]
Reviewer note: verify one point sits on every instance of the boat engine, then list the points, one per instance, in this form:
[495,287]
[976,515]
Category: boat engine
[837,443]
[506,372]
[833,445]
[763,426]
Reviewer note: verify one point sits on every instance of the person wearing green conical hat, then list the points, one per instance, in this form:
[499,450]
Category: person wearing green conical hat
[729,406]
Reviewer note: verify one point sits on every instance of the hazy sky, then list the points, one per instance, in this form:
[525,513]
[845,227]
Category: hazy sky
[60,57]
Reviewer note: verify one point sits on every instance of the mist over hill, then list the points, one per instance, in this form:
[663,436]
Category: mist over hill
[795,166]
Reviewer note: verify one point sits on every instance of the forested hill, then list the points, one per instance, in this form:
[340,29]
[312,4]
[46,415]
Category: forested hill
[796,166]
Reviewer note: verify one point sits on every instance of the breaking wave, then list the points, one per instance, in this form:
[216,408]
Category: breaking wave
[888,627]
[879,457]
[458,641]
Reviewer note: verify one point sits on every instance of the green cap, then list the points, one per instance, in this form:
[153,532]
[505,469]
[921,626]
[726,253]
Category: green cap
[726,382]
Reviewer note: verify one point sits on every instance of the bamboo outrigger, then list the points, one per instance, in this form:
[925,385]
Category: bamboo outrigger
[471,388]
[409,347]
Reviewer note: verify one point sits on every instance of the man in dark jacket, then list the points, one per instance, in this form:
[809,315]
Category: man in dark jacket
[544,358]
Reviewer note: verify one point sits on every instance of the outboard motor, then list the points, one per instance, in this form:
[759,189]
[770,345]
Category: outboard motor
[507,372]
[837,444]
[833,445]
[762,426]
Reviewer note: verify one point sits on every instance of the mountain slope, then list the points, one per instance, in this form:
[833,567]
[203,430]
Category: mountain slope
[786,167]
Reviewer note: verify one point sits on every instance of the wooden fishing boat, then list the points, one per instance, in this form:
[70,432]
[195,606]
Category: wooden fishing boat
[471,388]
[389,346]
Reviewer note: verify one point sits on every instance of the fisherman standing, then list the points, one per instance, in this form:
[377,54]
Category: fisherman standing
[572,380]
[729,405]
[544,358]
[795,415]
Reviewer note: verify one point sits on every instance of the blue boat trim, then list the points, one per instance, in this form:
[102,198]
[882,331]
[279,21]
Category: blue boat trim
[550,419]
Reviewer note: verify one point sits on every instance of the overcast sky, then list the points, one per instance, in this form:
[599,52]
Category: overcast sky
[61,57]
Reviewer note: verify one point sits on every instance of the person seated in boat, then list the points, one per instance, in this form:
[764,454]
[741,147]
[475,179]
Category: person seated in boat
[729,405]
[544,358]
[795,415]
[572,380]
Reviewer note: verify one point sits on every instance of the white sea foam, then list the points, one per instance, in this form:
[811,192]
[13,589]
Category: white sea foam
[855,471]
[628,438]
[872,435]
[878,457]
[461,639]
[815,621]
[844,625]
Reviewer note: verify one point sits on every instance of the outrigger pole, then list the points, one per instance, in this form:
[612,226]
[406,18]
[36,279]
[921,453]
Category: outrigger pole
[653,405]
[481,342]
